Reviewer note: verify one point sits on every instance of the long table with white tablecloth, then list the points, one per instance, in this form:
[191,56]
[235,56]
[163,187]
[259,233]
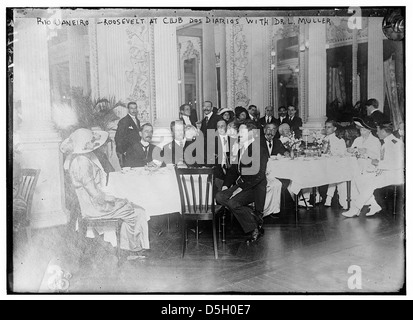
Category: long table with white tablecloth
[312,172]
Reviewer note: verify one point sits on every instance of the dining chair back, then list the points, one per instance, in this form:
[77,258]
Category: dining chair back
[26,192]
[197,199]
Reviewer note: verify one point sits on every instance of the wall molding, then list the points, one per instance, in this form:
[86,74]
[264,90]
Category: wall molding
[240,58]
[93,60]
[138,75]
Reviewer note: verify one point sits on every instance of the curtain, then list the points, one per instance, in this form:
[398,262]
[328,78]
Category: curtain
[336,86]
[390,89]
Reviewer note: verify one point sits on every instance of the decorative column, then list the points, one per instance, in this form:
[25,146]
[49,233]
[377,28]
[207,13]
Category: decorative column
[209,74]
[317,79]
[303,75]
[77,60]
[38,141]
[355,78]
[93,58]
[223,64]
[258,57]
[375,81]
[166,79]
[274,70]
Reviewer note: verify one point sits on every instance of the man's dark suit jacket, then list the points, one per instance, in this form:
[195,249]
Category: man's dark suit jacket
[285,120]
[212,124]
[295,125]
[193,117]
[190,119]
[277,147]
[258,182]
[378,118]
[135,156]
[127,134]
[219,172]
[173,153]
[273,120]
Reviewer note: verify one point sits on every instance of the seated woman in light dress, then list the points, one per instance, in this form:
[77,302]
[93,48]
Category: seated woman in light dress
[88,178]
[365,148]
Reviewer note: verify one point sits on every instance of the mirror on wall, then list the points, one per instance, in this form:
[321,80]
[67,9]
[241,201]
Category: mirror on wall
[189,39]
[288,71]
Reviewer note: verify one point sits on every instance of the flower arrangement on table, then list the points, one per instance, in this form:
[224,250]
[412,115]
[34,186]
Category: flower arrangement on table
[291,143]
[318,139]
[320,142]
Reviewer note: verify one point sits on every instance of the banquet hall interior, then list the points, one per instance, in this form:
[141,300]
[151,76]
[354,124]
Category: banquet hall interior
[80,68]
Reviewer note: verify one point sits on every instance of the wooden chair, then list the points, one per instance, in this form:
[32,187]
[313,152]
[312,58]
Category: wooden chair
[26,192]
[197,200]
[93,223]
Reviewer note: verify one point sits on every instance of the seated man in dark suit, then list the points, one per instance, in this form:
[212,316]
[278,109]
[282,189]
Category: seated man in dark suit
[271,143]
[269,117]
[221,157]
[174,152]
[294,121]
[247,182]
[127,132]
[140,154]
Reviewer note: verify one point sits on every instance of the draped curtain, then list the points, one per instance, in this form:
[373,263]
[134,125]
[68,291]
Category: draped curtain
[336,85]
[390,88]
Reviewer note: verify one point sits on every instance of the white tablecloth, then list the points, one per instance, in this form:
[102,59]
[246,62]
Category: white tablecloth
[157,192]
[313,172]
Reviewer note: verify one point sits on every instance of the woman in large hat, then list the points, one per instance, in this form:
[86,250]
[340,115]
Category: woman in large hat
[227,114]
[88,177]
[367,145]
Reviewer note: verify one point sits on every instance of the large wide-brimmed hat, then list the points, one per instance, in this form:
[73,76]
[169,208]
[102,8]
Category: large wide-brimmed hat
[84,141]
[223,110]
[364,123]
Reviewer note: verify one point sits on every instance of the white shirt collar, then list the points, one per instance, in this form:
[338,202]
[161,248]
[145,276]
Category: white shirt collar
[144,143]
[133,117]
[186,119]
[209,115]
[225,136]
[374,111]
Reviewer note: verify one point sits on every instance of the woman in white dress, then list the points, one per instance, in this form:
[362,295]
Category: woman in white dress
[365,148]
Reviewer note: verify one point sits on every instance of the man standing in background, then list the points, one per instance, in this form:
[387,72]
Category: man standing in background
[127,132]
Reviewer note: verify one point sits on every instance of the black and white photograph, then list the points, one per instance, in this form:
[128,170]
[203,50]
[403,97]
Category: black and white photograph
[206,150]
